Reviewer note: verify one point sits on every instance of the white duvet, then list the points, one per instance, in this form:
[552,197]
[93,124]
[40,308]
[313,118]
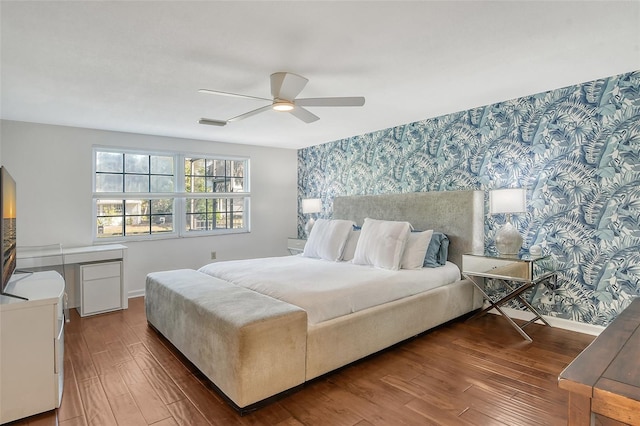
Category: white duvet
[326,289]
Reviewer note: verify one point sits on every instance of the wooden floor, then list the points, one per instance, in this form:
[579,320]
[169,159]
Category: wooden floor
[118,371]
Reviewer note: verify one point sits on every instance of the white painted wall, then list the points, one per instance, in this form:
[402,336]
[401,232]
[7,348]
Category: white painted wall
[52,166]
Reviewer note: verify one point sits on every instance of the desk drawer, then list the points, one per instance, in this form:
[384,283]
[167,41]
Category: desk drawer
[100,286]
[98,271]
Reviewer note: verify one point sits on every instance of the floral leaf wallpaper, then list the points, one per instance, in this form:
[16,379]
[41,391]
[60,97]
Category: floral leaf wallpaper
[577,152]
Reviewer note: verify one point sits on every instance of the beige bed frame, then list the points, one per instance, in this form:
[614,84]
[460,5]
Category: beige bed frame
[253,347]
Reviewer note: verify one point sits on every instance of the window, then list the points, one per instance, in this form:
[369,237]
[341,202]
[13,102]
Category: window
[139,195]
[213,187]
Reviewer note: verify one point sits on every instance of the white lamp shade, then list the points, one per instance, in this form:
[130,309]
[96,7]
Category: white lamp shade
[510,200]
[311,205]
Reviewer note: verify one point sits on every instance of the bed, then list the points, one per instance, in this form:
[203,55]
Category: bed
[246,325]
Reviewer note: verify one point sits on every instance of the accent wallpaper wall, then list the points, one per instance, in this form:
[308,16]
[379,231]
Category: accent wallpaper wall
[577,152]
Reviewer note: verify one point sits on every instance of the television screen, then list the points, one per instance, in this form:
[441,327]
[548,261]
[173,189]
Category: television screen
[8,231]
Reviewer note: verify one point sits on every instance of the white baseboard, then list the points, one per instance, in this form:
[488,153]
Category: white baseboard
[565,324]
[136,293]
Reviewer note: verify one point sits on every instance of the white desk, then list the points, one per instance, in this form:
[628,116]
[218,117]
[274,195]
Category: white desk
[68,259]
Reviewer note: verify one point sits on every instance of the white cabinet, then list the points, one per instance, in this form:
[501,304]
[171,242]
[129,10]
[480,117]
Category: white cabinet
[31,345]
[100,287]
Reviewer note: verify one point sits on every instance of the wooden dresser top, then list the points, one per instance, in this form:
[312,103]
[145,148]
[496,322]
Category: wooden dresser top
[608,370]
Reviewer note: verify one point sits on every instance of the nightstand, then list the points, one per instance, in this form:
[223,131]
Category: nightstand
[516,273]
[295,245]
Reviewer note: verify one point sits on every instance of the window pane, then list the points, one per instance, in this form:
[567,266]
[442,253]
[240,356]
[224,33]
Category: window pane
[136,183]
[238,221]
[136,163]
[161,216]
[161,224]
[108,182]
[161,165]
[210,185]
[199,184]
[161,183]
[236,204]
[136,217]
[199,222]
[237,168]
[197,167]
[210,168]
[109,162]
[196,205]
[198,214]
[164,206]
[219,167]
[109,227]
[215,185]
[220,204]
[136,207]
[109,218]
[136,225]
[109,207]
[237,185]
[221,221]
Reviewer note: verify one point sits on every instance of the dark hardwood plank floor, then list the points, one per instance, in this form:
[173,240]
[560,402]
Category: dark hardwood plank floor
[118,371]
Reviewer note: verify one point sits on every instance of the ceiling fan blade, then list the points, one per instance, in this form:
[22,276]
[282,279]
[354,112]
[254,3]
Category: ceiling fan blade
[250,113]
[330,102]
[233,95]
[212,122]
[304,115]
[286,85]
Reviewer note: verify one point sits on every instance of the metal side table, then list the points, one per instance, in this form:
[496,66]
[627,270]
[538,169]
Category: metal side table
[517,273]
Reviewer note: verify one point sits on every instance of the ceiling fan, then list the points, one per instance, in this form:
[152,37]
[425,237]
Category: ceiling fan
[285,86]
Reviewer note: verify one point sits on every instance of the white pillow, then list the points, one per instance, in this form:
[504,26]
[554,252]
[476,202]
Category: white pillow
[415,249]
[327,239]
[350,246]
[381,243]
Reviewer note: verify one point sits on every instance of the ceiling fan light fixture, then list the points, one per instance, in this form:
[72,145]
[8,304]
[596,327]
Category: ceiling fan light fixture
[282,105]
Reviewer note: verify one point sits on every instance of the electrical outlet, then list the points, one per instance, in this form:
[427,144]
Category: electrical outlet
[213,255]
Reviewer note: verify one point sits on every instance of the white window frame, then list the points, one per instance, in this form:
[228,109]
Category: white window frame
[246,194]
[179,196]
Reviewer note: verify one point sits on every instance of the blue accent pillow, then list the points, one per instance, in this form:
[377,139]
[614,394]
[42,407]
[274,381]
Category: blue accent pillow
[437,251]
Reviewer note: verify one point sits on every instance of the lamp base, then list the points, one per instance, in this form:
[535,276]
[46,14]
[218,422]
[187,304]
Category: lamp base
[508,239]
[309,226]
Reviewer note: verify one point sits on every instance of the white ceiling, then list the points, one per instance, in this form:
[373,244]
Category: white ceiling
[137,66]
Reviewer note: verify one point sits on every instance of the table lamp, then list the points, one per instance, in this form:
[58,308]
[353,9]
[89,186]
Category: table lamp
[507,201]
[309,206]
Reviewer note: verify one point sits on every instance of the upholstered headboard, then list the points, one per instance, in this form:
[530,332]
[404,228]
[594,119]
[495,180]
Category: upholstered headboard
[458,214]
